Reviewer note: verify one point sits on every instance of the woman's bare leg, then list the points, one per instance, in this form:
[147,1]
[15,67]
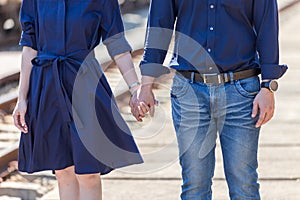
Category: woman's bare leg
[67,184]
[90,187]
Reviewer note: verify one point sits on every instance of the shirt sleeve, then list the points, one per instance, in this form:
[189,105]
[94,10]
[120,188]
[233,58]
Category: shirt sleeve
[161,19]
[27,20]
[266,27]
[112,29]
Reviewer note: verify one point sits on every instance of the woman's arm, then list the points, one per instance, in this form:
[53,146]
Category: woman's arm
[19,112]
[126,67]
[27,55]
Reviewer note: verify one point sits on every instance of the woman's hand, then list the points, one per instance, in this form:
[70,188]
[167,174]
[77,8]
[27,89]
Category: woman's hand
[19,116]
[134,105]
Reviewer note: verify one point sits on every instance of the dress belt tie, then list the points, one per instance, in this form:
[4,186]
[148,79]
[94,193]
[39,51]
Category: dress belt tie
[54,61]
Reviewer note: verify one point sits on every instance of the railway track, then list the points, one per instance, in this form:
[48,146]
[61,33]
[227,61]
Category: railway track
[9,135]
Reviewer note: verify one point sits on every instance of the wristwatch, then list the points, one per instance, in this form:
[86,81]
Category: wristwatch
[270,85]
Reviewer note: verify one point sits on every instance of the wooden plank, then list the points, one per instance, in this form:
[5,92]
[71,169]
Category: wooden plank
[8,99]
[8,154]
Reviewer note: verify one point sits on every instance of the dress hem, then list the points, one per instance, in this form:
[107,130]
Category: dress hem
[109,169]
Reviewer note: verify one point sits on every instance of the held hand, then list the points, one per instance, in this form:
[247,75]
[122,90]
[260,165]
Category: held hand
[264,103]
[147,100]
[134,105]
[19,116]
[141,102]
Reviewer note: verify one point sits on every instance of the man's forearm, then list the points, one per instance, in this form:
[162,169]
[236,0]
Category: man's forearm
[147,82]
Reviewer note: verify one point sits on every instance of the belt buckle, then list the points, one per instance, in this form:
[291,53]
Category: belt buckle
[214,78]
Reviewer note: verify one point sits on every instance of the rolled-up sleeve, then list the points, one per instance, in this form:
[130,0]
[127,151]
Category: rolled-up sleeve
[112,29]
[266,27]
[28,24]
[161,19]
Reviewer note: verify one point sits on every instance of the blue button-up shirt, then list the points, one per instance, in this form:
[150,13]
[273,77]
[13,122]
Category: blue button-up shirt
[213,36]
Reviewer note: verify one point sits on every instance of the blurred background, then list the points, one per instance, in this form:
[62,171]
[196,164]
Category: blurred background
[10,29]
[159,178]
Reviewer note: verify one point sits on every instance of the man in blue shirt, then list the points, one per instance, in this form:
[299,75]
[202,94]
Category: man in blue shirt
[221,46]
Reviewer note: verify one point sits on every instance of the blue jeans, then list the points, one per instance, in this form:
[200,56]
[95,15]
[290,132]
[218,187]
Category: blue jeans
[201,111]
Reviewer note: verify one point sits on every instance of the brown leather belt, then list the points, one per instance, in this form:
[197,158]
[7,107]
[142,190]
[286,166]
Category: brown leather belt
[219,78]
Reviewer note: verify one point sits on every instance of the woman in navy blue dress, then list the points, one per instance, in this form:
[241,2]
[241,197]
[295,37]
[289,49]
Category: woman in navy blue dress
[58,39]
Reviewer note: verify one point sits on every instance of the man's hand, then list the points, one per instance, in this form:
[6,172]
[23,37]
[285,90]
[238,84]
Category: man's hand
[147,100]
[264,103]
[142,101]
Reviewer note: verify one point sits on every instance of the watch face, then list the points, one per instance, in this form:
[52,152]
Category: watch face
[273,85]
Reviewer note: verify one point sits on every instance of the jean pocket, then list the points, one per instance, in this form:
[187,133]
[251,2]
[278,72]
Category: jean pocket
[231,3]
[248,87]
[179,87]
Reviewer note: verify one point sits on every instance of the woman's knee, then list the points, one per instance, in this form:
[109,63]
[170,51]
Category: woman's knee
[89,180]
[65,174]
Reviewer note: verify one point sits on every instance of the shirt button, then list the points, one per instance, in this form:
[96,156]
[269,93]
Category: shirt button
[211,28]
[212,6]
[209,49]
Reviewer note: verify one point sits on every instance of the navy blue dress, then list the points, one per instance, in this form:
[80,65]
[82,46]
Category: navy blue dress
[61,134]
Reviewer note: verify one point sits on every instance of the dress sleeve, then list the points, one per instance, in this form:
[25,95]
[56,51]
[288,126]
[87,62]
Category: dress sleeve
[27,20]
[266,27]
[112,29]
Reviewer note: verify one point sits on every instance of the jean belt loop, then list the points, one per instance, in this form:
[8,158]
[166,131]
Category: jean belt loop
[192,77]
[231,77]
